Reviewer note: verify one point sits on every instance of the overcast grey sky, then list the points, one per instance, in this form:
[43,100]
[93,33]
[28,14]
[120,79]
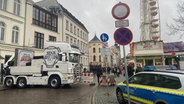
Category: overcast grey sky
[96,16]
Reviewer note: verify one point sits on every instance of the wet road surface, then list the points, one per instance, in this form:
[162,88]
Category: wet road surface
[77,94]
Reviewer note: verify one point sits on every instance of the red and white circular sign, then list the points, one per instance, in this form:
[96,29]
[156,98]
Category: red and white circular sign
[120,11]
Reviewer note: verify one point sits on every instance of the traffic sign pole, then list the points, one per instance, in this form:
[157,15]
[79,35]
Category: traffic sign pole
[126,75]
[123,36]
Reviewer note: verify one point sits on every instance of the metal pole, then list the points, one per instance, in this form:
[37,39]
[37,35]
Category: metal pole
[126,74]
[2,73]
[106,76]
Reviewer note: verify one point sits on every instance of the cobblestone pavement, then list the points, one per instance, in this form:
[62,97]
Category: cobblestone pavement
[106,94]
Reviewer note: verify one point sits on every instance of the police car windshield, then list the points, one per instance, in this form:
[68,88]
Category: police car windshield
[73,57]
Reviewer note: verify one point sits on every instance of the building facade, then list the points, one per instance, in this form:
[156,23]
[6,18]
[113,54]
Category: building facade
[95,57]
[103,56]
[71,30]
[147,52]
[12,26]
[116,55]
[25,24]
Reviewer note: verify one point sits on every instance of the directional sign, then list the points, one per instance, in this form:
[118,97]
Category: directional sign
[120,11]
[123,36]
[104,37]
[122,23]
[106,51]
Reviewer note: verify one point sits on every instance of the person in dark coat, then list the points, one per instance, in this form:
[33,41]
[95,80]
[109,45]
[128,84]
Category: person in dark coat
[130,70]
[139,69]
[99,73]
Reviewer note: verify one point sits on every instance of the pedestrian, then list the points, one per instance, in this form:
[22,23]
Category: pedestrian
[117,71]
[85,70]
[108,70]
[99,73]
[114,70]
[121,69]
[130,70]
[138,69]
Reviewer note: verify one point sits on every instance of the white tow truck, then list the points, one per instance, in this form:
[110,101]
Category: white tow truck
[58,66]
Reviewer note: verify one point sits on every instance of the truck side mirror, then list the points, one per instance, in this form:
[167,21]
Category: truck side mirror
[64,57]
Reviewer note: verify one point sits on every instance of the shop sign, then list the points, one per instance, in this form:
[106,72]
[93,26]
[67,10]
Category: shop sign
[173,47]
[148,46]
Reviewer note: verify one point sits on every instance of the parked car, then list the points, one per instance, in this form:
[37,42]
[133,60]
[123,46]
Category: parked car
[153,87]
[160,67]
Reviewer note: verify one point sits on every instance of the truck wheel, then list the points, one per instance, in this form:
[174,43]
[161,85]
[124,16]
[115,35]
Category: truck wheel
[8,82]
[21,83]
[54,82]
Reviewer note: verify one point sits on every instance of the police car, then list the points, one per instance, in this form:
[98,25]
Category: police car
[153,87]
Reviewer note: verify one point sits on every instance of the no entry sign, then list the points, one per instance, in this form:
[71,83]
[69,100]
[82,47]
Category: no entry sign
[123,36]
[120,11]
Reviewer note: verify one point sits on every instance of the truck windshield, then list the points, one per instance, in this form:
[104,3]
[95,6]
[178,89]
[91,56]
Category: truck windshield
[73,57]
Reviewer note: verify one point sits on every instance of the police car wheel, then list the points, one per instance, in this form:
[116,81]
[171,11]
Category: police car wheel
[120,97]
[8,82]
[54,82]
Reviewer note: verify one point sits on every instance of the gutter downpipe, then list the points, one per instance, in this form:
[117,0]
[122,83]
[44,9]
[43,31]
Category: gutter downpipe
[25,23]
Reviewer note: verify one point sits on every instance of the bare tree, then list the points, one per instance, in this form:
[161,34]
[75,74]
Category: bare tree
[177,27]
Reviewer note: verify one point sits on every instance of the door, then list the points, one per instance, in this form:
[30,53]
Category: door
[139,88]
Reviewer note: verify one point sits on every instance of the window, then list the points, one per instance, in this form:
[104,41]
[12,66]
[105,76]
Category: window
[52,38]
[71,28]
[74,58]
[81,46]
[94,58]
[75,30]
[67,25]
[3,4]
[78,43]
[71,41]
[16,9]
[81,34]
[39,40]
[99,58]
[48,21]
[167,81]
[74,41]
[44,19]
[2,29]
[164,81]
[144,79]
[93,50]
[67,39]
[15,34]
[81,60]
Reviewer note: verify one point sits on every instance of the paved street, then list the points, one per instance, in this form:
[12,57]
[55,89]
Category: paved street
[77,94]
[106,94]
